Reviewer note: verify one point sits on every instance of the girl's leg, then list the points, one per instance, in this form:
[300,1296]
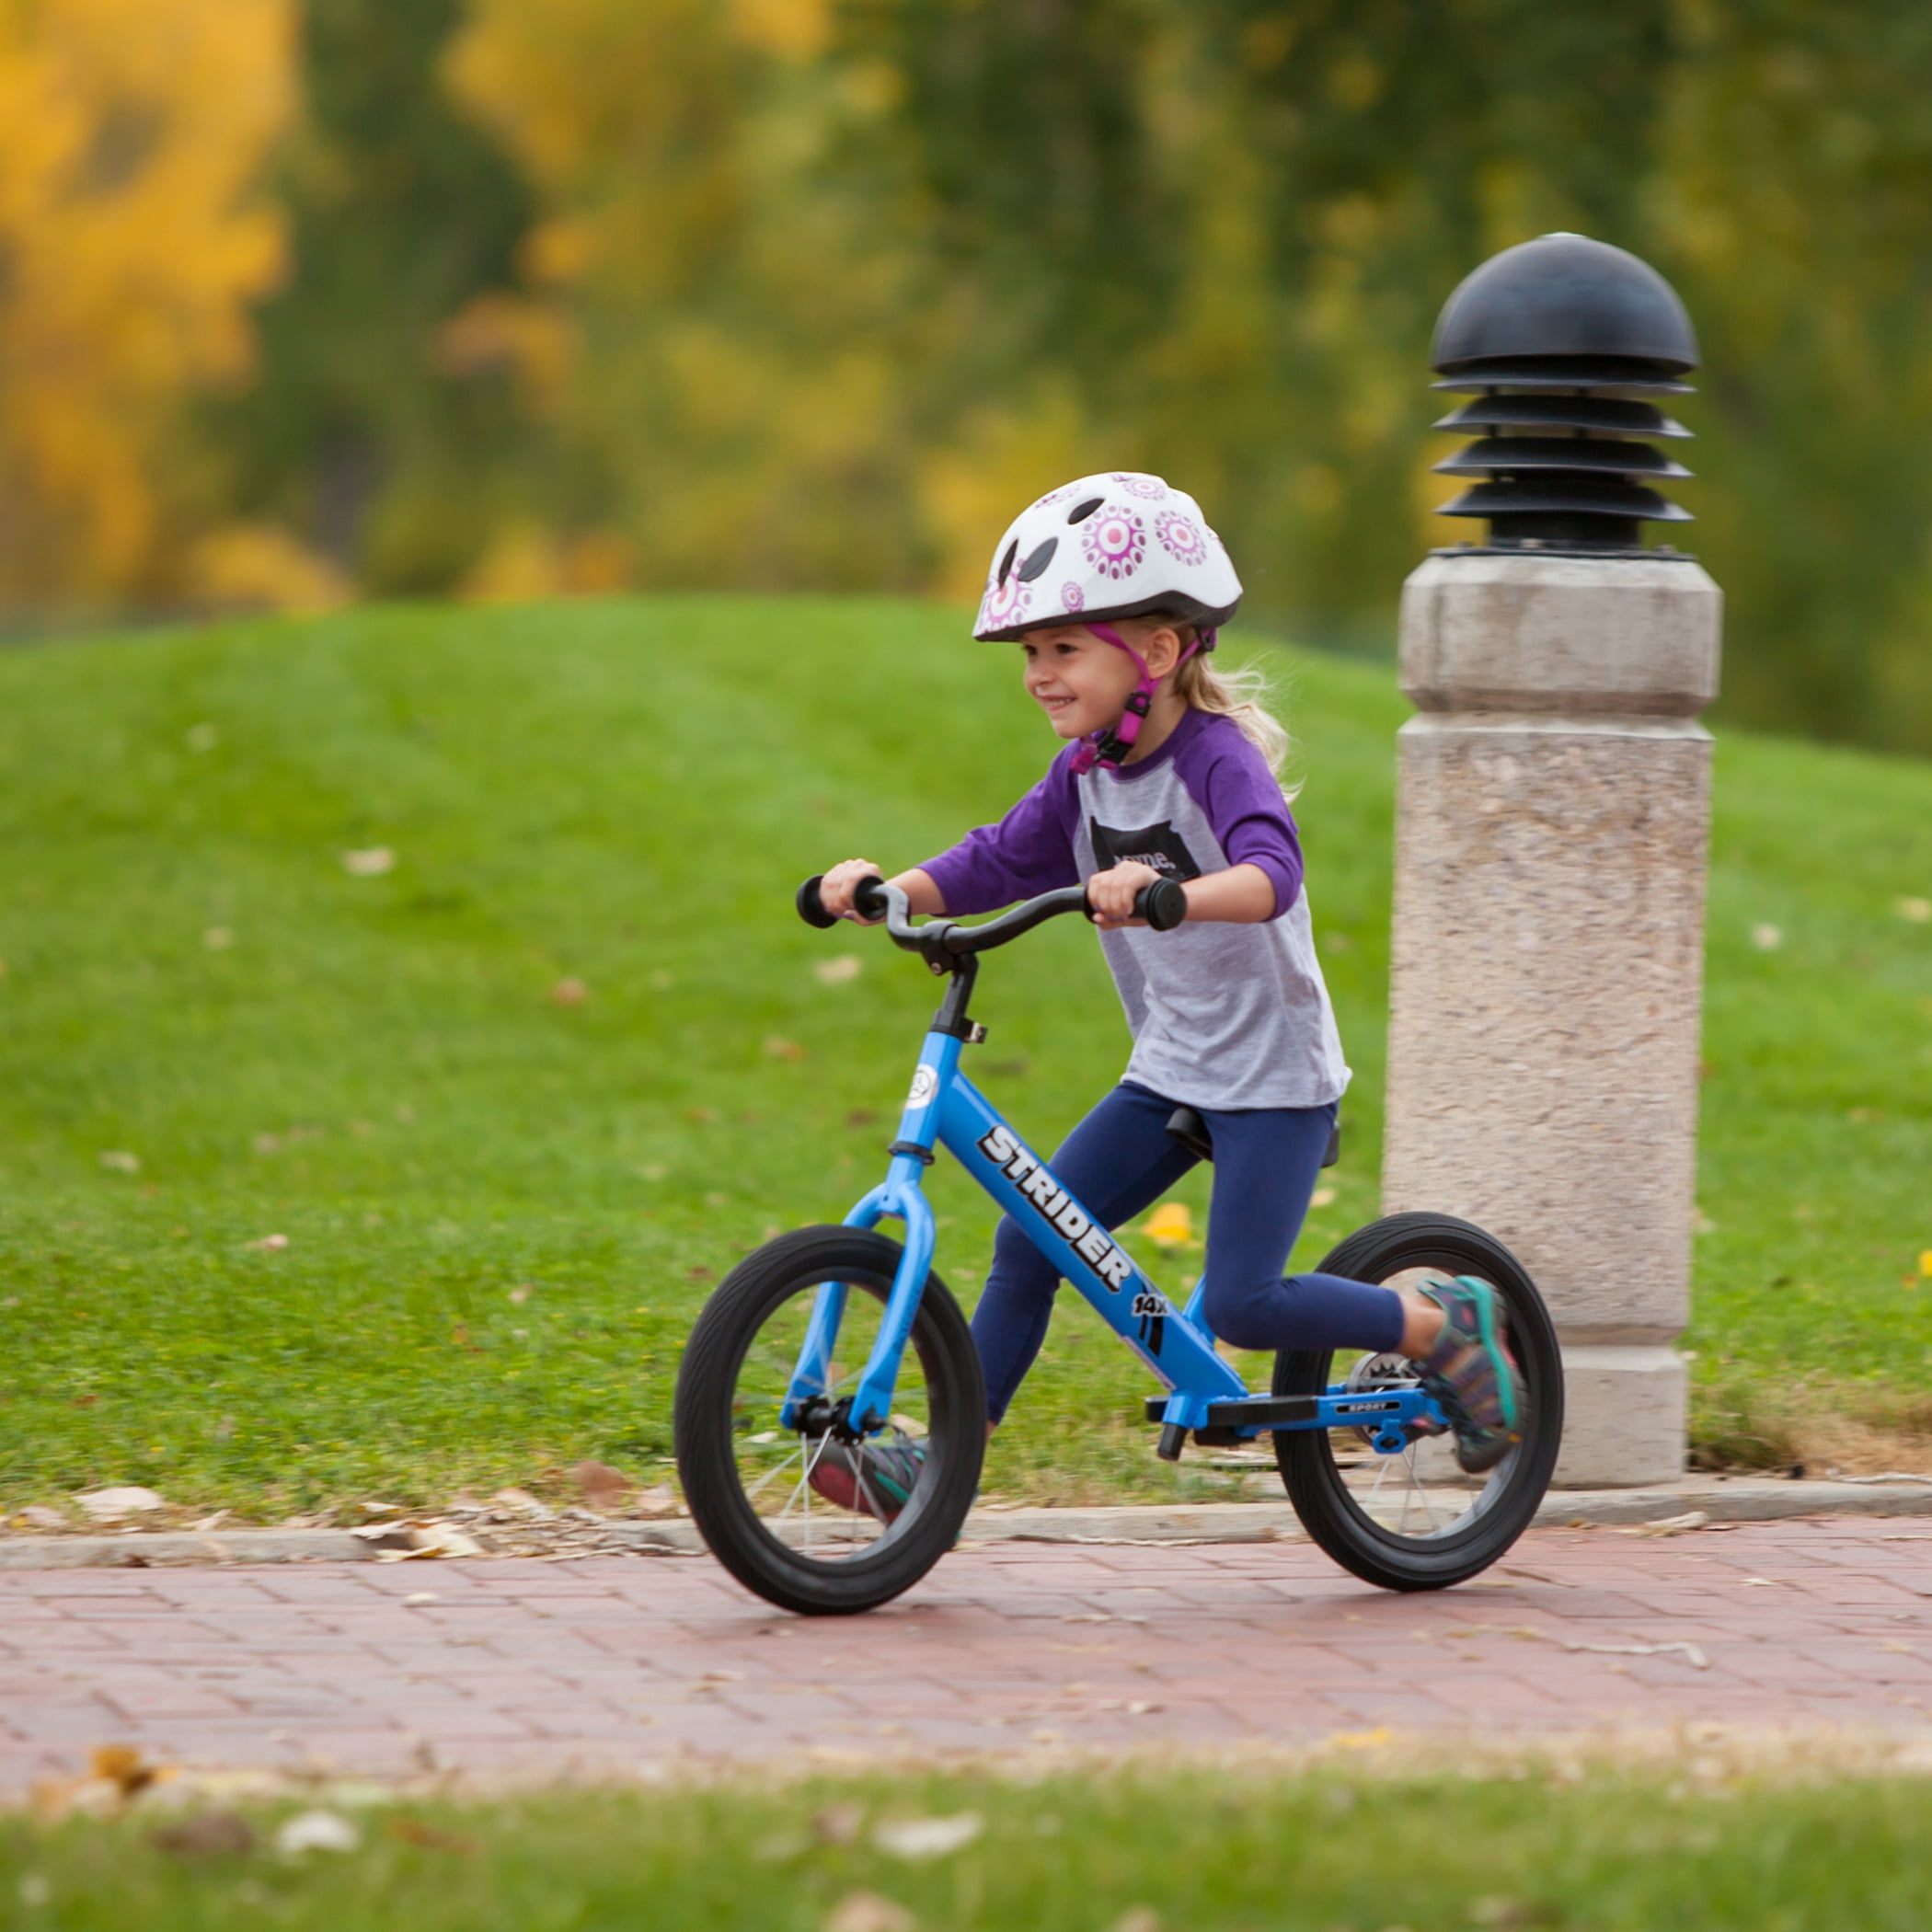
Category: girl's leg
[1266,1164]
[1119,1160]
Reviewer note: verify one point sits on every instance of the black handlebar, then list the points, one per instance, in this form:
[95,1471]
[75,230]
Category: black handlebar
[1161,904]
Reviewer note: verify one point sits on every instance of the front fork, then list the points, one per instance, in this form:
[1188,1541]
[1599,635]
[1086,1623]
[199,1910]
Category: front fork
[901,1195]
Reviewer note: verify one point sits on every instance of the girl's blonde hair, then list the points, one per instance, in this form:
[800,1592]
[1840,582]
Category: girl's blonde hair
[1236,691]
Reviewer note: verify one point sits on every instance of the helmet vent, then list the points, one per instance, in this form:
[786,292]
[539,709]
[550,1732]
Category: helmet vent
[1038,561]
[1081,512]
[1005,563]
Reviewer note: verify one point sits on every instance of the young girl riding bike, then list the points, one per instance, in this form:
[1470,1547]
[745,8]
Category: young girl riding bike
[1114,588]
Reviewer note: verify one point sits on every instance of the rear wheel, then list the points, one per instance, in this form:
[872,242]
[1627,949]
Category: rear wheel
[1414,1520]
[750,1482]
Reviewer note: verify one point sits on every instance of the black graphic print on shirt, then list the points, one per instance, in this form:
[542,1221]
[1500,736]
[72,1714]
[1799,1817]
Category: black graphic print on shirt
[1158,845]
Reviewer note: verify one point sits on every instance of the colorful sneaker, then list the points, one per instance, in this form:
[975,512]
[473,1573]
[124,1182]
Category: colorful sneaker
[1472,1374]
[876,1477]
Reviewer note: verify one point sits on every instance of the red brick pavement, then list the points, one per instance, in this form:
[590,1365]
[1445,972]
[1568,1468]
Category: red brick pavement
[609,1663]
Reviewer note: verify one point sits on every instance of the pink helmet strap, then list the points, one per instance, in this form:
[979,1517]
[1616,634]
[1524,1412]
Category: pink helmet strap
[1109,748]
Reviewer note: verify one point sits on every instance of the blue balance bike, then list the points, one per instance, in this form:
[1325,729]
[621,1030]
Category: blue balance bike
[828,1340]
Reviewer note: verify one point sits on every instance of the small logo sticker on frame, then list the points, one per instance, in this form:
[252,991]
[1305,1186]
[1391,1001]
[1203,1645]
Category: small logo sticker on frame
[925,1084]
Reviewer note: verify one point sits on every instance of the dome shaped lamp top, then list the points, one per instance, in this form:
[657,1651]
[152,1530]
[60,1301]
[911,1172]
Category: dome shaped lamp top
[1564,295]
[1561,340]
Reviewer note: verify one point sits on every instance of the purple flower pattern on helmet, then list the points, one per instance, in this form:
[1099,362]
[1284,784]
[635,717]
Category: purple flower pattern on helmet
[1137,483]
[1072,597]
[1115,540]
[1005,604]
[1181,538]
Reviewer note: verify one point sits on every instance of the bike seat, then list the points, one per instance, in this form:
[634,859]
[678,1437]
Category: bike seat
[1187,1126]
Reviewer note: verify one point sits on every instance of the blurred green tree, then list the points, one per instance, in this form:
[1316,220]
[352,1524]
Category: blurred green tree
[360,429]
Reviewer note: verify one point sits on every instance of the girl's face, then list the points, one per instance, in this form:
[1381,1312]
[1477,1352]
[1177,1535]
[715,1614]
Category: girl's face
[1081,682]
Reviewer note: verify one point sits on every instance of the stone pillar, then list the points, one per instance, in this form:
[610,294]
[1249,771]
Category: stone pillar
[1547,954]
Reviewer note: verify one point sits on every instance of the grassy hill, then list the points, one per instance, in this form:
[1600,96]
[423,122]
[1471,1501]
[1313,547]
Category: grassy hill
[506,1108]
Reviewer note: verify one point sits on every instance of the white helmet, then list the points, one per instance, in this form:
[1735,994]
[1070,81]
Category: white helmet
[1120,545]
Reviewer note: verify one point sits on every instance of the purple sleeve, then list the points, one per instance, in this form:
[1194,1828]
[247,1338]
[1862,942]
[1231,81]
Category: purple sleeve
[1030,850]
[1229,779]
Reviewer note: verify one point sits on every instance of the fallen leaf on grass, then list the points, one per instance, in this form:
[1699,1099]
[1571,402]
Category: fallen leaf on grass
[210,1835]
[1137,1918]
[1322,1197]
[1918,911]
[919,1838]
[779,1048]
[601,1486]
[111,1505]
[867,1912]
[270,1244]
[412,1830]
[121,1161]
[836,972]
[371,862]
[838,1823]
[121,1764]
[1171,1225]
[317,1831]
[570,993]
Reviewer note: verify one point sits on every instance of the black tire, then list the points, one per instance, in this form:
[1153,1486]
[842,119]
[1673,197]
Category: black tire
[762,1297]
[1463,1528]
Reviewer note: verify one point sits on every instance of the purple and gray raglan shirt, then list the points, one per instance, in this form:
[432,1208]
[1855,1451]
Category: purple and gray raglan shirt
[1223,1016]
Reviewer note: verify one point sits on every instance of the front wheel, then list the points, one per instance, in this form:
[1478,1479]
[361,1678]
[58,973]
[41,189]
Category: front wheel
[762,1496]
[1414,1520]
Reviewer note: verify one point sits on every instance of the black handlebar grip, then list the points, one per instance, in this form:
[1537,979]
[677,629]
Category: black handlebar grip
[1163,904]
[811,908]
[869,898]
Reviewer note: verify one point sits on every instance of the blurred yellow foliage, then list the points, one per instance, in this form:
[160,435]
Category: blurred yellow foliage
[132,237]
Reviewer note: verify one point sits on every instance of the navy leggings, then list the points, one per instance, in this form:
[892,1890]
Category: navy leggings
[1119,1159]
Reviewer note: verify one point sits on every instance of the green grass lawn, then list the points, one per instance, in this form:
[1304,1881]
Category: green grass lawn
[501,1206]
[1130,1853]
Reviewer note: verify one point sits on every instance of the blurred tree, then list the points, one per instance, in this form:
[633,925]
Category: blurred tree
[364,429]
[133,237]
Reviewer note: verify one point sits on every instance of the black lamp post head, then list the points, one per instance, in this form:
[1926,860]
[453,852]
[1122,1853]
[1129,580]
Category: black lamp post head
[1562,339]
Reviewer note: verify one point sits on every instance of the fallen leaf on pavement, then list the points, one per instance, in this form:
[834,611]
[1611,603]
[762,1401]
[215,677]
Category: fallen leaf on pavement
[1689,1651]
[867,1912]
[929,1837]
[523,1503]
[1670,1526]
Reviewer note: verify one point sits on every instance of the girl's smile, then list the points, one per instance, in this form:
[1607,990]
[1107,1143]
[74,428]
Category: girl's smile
[1082,683]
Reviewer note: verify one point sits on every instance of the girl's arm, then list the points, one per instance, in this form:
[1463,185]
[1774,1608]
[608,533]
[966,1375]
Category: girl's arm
[835,890]
[1242,895]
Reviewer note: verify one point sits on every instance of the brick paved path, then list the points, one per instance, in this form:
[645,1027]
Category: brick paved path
[612,1661]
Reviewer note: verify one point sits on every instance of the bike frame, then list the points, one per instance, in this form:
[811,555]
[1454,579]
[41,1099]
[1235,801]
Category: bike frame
[1203,1392]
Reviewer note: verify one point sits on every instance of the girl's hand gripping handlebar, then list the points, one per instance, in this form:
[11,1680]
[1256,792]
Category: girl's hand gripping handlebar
[1161,904]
